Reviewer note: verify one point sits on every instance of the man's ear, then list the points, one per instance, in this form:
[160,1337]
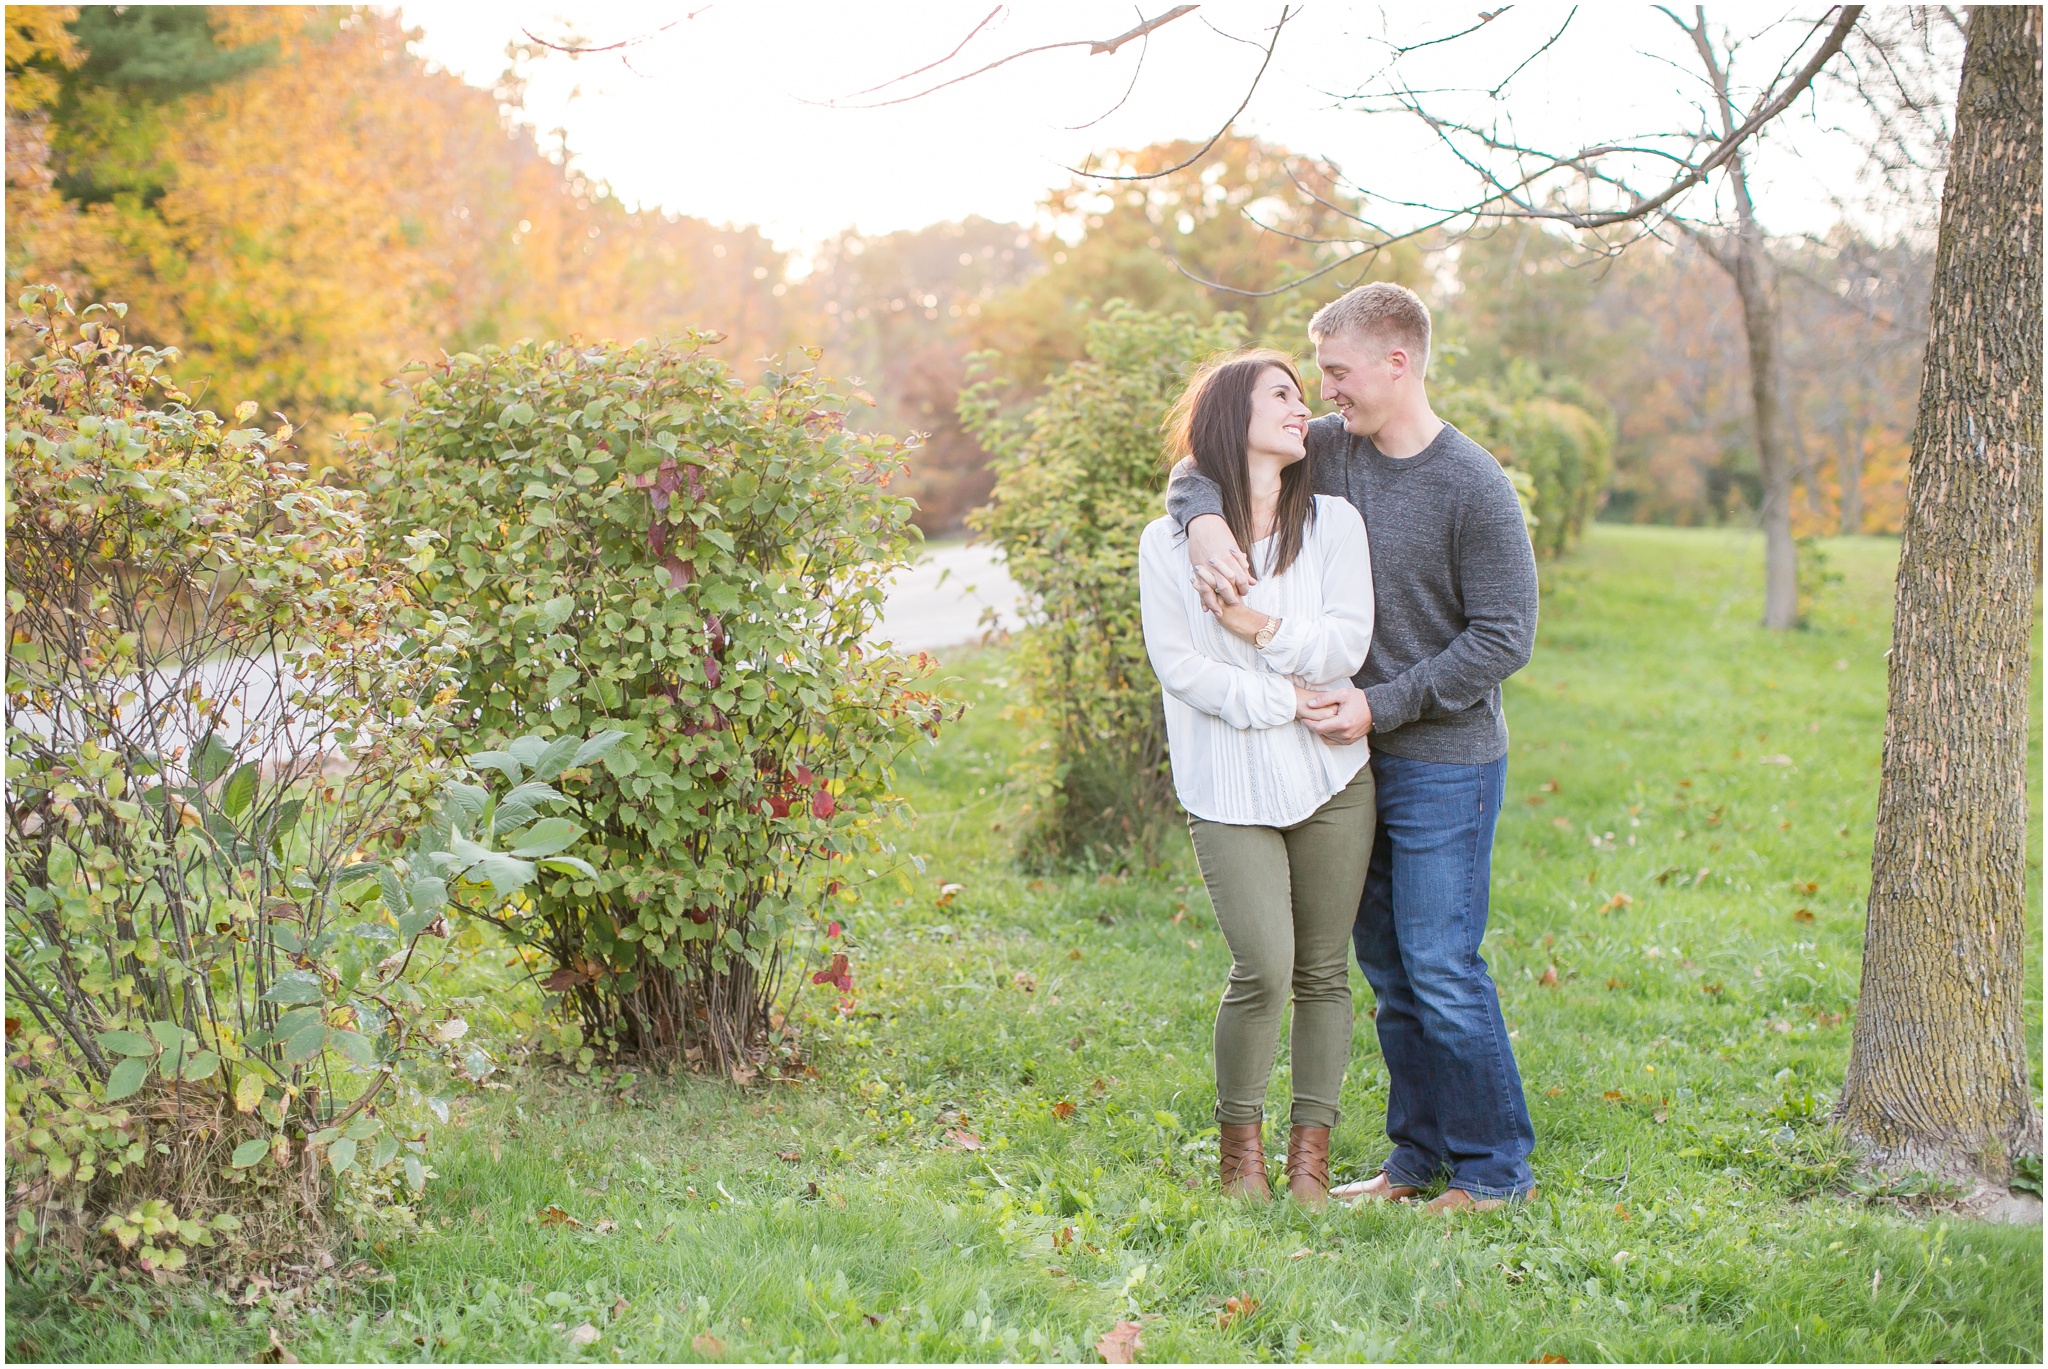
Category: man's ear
[1398,362]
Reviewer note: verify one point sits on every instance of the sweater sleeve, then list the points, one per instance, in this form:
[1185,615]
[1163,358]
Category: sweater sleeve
[1242,697]
[1331,645]
[1497,584]
[1190,494]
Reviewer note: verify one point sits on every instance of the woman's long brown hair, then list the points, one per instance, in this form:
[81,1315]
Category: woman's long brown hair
[1211,422]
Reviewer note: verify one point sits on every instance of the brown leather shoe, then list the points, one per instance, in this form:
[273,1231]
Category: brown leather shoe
[1458,1200]
[1308,1166]
[1242,1161]
[1379,1188]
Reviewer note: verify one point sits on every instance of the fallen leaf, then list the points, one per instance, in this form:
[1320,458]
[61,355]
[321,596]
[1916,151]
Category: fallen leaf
[1074,954]
[1301,1254]
[708,1345]
[1561,824]
[620,1307]
[1548,786]
[1549,979]
[949,892]
[1659,1115]
[1243,1305]
[277,1354]
[1063,1238]
[1618,901]
[1552,1091]
[871,1319]
[605,1225]
[1775,760]
[1614,984]
[1802,915]
[790,1156]
[965,1139]
[1122,1343]
[1612,1096]
[1025,980]
[1621,1211]
[1063,1109]
[581,1334]
[1550,1359]
[1710,988]
[1805,887]
[552,1215]
[1099,1087]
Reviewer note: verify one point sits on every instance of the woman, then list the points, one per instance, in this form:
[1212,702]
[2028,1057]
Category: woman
[1282,821]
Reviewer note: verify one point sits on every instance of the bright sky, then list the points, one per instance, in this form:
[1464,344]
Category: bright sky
[716,115]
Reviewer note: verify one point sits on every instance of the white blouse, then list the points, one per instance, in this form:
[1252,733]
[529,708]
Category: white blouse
[1238,754]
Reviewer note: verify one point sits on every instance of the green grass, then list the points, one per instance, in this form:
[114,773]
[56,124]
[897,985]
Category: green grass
[1679,1064]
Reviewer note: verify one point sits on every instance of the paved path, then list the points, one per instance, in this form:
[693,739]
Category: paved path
[939,601]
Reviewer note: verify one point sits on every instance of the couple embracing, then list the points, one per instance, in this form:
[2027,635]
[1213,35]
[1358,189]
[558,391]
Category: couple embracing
[1333,714]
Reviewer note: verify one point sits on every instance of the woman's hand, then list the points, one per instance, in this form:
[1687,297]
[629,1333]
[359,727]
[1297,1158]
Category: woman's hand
[1308,710]
[1221,598]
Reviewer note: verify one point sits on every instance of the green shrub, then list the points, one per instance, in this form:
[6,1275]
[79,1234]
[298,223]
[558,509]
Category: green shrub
[1555,441]
[1077,479]
[643,543]
[222,744]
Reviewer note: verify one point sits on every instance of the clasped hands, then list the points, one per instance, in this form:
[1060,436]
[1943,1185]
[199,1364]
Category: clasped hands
[1338,716]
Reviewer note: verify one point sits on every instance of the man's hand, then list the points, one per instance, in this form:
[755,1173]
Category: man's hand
[1307,710]
[1210,544]
[1352,720]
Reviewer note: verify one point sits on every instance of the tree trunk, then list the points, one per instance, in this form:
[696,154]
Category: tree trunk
[1937,1076]
[1849,472]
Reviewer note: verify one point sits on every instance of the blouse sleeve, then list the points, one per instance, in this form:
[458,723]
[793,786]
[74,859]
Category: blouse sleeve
[1241,696]
[1332,644]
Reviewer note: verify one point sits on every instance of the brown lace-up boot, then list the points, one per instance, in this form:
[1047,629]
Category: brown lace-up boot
[1308,1166]
[1242,1160]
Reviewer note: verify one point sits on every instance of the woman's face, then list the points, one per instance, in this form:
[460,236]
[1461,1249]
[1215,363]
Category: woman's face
[1279,427]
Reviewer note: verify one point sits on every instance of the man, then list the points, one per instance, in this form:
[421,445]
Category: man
[1454,580]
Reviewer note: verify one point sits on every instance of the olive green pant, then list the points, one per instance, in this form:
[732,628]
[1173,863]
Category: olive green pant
[1286,899]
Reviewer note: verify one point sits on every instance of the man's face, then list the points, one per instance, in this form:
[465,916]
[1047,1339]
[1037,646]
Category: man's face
[1359,379]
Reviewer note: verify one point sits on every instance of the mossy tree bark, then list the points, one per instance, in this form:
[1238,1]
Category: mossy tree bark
[1937,1076]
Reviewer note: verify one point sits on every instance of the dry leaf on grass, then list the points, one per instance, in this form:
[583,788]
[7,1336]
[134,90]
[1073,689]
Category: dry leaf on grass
[582,1334]
[964,1138]
[1063,1109]
[1121,1344]
[551,1215]
[709,1346]
[1241,1306]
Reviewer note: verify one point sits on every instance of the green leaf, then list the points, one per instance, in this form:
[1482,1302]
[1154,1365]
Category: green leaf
[555,759]
[250,1151]
[305,1044]
[596,747]
[169,1035]
[126,1078]
[516,415]
[569,865]
[394,893]
[213,759]
[200,1066]
[341,1154]
[412,924]
[239,791]
[385,1153]
[294,986]
[546,837]
[503,761]
[288,814]
[555,612]
[415,1174]
[527,748]
[126,1043]
[248,1091]
[559,684]
[468,801]
[428,893]
[523,802]
[360,1050]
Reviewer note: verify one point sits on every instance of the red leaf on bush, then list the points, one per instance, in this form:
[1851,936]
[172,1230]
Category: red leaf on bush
[680,573]
[779,805]
[714,632]
[823,805]
[711,670]
[839,973]
[700,916]
[833,929]
[563,980]
[804,776]
[657,537]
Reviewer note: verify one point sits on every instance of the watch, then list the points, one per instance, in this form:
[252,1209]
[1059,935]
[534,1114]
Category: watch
[1263,638]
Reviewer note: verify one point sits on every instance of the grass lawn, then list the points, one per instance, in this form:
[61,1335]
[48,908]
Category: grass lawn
[1678,892]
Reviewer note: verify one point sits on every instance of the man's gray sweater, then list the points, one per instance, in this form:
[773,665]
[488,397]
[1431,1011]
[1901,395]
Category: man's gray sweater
[1453,580]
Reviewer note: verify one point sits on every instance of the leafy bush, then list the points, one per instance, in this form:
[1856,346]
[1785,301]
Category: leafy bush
[1554,439]
[216,725]
[1077,480]
[642,543]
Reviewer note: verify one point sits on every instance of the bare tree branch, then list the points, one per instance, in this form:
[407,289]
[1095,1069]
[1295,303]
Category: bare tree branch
[1286,13]
[986,20]
[580,49]
[1096,47]
[1144,46]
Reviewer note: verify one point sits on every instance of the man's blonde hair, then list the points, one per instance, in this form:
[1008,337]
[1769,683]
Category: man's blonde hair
[1379,312]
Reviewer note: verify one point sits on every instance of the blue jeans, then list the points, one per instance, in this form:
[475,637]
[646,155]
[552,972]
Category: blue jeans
[1454,1097]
